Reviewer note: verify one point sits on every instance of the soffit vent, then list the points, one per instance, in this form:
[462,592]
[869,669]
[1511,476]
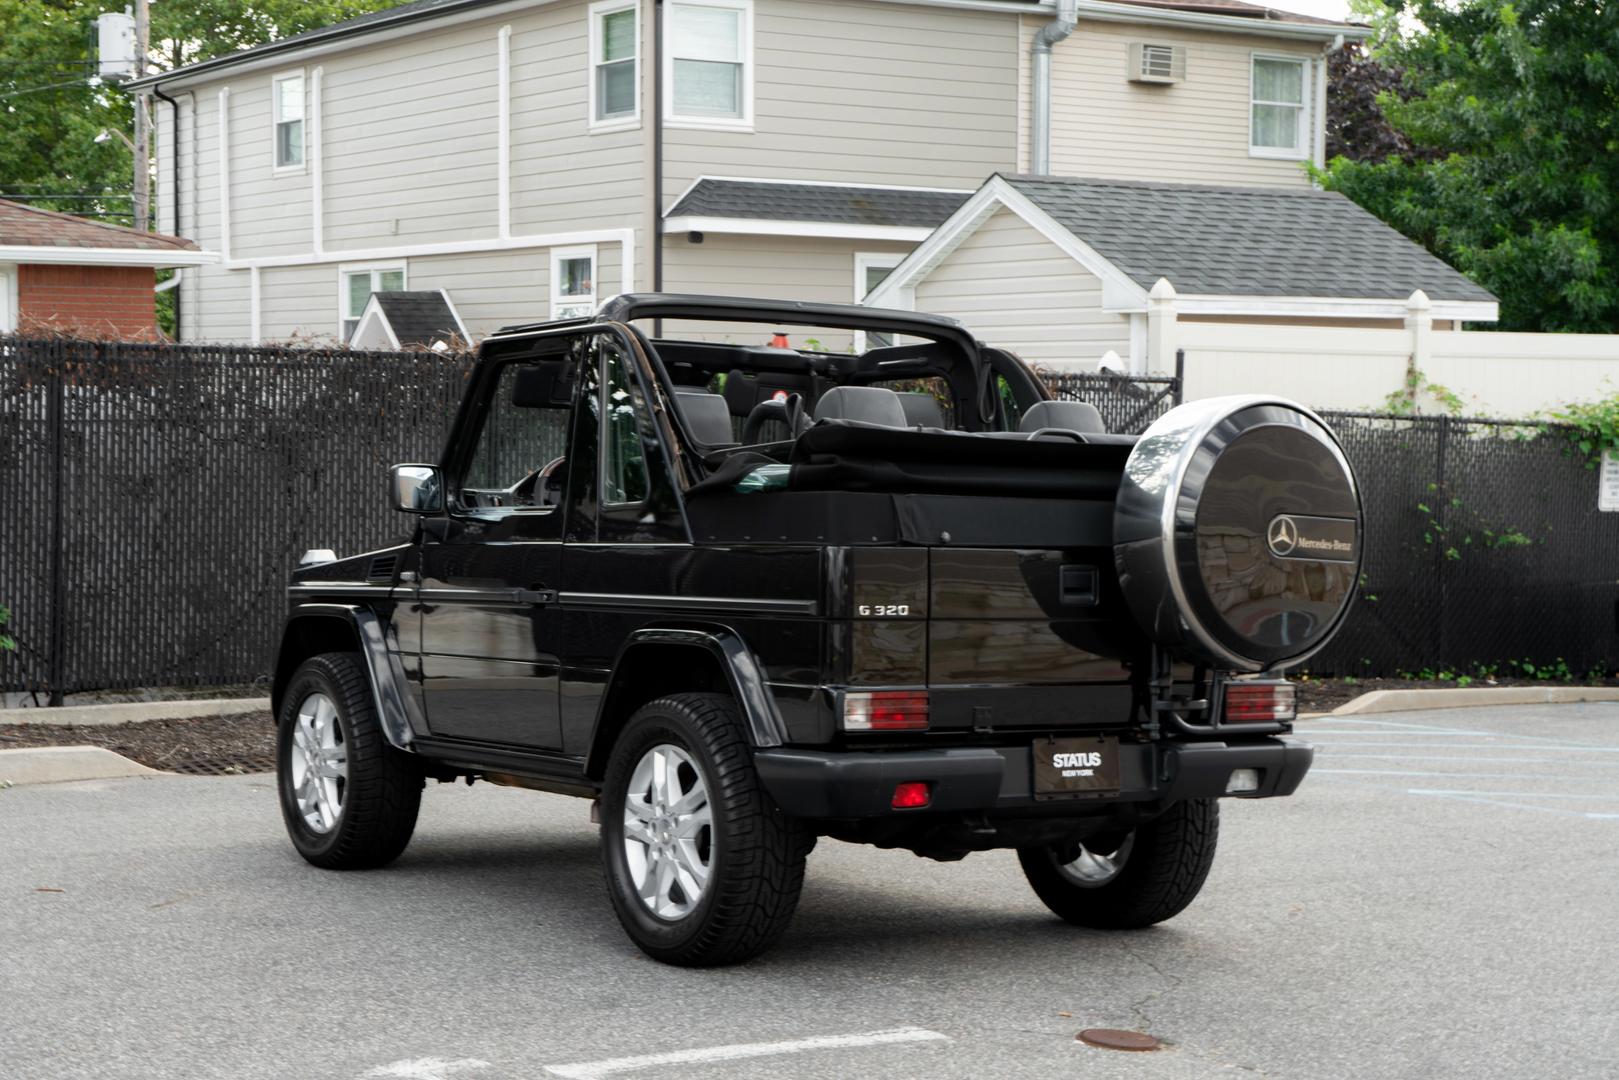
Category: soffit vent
[1151,63]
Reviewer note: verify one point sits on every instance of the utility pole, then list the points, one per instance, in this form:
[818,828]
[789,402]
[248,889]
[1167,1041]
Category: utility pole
[143,121]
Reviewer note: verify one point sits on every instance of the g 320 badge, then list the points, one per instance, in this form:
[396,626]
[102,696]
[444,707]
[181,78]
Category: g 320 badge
[884,611]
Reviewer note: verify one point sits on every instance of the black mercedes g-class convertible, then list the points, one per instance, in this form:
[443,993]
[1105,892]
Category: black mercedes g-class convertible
[745,595]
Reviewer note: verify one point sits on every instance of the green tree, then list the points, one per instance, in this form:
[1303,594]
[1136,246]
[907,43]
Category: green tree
[1512,110]
[51,110]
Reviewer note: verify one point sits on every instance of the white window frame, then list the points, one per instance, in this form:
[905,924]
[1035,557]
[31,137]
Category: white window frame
[344,270]
[867,260]
[276,120]
[558,301]
[598,14]
[1306,144]
[716,123]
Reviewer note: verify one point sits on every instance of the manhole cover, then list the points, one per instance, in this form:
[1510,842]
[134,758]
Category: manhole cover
[223,766]
[1114,1039]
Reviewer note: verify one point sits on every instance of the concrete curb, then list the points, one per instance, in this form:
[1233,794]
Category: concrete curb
[133,712]
[1385,701]
[60,764]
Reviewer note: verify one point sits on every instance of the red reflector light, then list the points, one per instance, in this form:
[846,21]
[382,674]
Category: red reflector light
[912,795]
[1258,702]
[885,710]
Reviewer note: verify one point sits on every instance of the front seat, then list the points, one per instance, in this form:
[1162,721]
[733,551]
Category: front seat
[707,417]
[863,404]
[1076,416]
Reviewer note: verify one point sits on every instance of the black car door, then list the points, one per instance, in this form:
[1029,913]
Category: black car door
[490,624]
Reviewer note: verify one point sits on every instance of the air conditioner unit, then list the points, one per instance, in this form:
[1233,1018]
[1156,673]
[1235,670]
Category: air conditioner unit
[1156,63]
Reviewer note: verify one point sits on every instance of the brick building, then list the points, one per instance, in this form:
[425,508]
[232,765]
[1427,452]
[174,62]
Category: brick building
[62,274]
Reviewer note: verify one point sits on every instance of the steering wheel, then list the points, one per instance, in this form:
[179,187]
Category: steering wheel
[541,487]
[789,410]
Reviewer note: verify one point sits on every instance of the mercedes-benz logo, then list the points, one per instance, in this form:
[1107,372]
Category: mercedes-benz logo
[1283,536]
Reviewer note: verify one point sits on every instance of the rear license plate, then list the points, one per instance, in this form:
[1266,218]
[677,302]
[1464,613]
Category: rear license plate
[1088,766]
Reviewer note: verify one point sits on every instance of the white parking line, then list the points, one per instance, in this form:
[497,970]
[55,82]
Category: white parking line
[1470,797]
[427,1068]
[1416,772]
[594,1070]
[1454,746]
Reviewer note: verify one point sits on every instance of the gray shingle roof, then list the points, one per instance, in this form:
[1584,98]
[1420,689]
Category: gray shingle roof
[419,318]
[852,205]
[1245,241]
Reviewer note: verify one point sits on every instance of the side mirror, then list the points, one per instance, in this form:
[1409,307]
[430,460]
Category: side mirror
[416,489]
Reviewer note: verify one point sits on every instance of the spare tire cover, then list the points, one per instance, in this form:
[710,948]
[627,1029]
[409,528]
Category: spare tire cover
[1238,532]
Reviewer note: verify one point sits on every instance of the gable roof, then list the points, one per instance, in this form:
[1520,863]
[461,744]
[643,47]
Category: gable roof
[1234,250]
[400,320]
[1205,12]
[31,235]
[1248,241]
[839,204]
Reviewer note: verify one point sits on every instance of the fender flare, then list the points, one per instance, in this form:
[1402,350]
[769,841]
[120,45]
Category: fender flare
[743,672]
[396,709]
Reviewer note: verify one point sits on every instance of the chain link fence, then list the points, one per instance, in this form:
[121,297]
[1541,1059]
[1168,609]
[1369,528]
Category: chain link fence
[153,498]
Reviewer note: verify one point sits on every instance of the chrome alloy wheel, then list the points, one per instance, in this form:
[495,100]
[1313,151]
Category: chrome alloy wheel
[1093,869]
[318,763]
[668,831]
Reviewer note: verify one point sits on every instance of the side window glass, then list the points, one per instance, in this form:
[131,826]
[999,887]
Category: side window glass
[518,461]
[1011,413]
[624,476]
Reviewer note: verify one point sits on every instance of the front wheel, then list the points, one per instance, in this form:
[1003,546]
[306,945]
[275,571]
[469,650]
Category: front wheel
[702,868]
[349,799]
[1124,882]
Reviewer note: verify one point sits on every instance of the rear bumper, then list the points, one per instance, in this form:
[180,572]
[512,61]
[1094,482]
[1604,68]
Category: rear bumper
[860,784]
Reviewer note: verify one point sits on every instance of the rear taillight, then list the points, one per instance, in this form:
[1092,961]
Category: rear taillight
[885,710]
[912,795]
[1258,702]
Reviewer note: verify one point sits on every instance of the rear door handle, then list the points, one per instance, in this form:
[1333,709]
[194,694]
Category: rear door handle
[534,596]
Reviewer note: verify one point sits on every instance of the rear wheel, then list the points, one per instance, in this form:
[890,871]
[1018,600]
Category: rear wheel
[349,799]
[1125,882]
[701,866]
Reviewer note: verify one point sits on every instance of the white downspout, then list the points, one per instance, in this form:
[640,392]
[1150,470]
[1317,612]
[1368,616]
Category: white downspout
[1319,150]
[1040,62]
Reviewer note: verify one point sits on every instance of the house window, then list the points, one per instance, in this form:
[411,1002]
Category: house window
[357,283]
[1277,124]
[287,93]
[573,282]
[708,73]
[870,270]
[615,99]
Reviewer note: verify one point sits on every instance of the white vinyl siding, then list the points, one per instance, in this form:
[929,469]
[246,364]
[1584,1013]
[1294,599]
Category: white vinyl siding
[773,267]
[289,105]
[1194,131]
[1015,289]
[708,70]
[849,91]
[615,64]
[1278,124]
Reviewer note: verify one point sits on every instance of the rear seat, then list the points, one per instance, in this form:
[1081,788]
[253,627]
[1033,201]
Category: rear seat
[921,410]
[862,404]
[1077,416]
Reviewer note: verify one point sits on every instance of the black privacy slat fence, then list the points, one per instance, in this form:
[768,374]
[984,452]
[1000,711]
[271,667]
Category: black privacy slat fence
[154,497]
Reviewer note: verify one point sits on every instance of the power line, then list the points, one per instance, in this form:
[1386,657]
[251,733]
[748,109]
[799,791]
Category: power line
[41,89]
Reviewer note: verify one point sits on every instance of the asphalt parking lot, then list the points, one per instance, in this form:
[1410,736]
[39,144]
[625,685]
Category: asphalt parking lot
[1440,899]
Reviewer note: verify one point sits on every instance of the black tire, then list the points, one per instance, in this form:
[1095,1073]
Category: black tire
[383,788]
[1168,860]
[755,852]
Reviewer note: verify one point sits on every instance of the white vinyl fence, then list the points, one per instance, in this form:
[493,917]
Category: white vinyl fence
[1494,374]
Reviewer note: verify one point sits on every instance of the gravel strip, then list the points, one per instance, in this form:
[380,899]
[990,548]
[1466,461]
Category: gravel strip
[209,745]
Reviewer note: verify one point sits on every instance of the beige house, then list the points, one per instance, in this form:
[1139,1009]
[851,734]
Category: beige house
[532,157]
[1073,273]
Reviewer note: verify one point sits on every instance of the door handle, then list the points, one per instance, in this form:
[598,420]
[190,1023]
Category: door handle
[534,596]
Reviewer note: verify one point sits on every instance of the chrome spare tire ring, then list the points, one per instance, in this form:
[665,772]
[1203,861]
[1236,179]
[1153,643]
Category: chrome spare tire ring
[668,832]
[318,763]
[1093,869]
